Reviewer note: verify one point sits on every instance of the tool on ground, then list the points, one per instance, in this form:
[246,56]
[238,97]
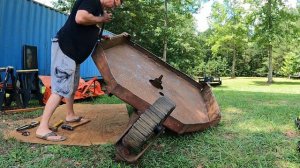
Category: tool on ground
[142,133]
[56,125]
[28,126]
[70,127]
[25,133]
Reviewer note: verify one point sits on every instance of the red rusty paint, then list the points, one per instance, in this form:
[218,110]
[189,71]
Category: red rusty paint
[127,69]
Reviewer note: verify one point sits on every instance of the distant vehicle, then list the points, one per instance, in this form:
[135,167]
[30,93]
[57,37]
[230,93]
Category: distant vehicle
[295,76]
[212,80]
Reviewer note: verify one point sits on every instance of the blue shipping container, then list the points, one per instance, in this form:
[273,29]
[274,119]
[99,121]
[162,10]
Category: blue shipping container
[25,22]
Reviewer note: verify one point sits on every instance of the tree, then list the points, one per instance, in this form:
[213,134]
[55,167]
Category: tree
[63,5]
[165,28]
[287,48]
[144,21]
[268,18]
[291,64]
[229,31]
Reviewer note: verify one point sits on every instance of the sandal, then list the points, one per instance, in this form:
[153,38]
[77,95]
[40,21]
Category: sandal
[46,137]
[78,119]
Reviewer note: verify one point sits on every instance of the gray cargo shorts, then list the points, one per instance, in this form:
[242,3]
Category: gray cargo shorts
[65,73]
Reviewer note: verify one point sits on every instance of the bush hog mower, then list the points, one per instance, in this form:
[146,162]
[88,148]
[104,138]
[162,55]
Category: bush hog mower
[153,87]
[148,126]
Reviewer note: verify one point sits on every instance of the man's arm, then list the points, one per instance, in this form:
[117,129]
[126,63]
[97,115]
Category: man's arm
[83,17]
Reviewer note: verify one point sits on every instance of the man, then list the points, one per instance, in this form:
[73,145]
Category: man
[73,44]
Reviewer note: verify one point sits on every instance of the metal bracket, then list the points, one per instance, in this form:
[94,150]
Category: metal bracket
[157,82]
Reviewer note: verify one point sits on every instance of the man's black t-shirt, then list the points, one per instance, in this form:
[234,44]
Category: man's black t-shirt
[77,41]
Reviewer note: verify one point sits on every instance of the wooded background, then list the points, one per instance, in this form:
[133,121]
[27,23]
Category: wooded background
[245,37]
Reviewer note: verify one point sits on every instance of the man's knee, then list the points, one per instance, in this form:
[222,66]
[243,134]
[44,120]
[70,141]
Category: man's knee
[56,96]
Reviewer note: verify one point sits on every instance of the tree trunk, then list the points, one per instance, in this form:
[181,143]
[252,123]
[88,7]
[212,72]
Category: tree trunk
[165,36]
[165,50]
[233,64]
[270,73]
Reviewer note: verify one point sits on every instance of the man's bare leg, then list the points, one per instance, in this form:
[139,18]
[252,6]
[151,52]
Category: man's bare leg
[50,107]
[70,114]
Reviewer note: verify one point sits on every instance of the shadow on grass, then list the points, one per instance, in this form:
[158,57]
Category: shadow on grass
[253,132]
[262,83]
[219,147]
[256,130]
[103,99]
[219,86]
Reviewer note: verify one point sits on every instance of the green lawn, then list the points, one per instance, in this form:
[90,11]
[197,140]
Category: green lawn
[256,130]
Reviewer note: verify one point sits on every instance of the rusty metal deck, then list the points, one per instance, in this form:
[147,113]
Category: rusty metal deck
[127,69]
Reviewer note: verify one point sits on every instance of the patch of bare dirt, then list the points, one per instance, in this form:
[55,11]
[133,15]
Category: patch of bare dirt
[200,166]
[291,134]
[229,136]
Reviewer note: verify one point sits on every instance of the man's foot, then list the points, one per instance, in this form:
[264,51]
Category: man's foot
[73,119]
[49,136]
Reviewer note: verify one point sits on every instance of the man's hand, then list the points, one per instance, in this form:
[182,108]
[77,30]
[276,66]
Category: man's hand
[106,17]
[85,18]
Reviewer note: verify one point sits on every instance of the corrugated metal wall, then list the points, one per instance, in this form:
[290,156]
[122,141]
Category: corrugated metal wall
[24,22]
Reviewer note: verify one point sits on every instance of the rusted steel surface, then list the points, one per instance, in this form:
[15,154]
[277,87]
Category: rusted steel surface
[127,69]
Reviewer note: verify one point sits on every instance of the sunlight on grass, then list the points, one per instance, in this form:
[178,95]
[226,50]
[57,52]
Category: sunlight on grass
[256,125]
[280,85]
[286,164]
[233,110]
